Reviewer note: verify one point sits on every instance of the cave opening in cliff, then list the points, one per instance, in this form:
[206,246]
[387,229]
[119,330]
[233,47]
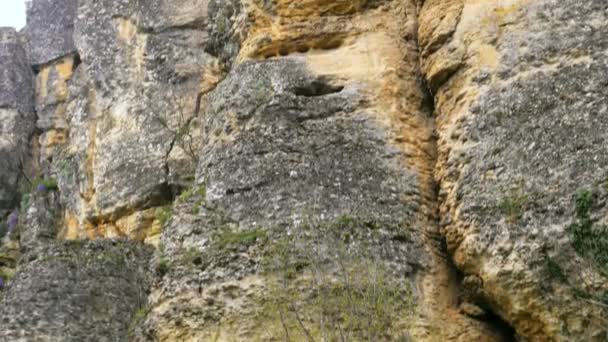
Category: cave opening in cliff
[317,88]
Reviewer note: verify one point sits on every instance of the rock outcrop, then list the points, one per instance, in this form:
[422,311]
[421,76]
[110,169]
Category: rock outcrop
[520,108]
[17,118]
[381,170]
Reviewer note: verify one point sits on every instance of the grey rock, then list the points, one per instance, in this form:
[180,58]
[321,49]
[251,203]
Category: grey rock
[76,291]
[50,25]
[161,15]
[287,156]
[17,117]
[38,221]
[290,152]
[226,29]
[137,117]
[520,156]
[266,143]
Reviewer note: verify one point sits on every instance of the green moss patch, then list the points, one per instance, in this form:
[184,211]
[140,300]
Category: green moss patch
[589,239]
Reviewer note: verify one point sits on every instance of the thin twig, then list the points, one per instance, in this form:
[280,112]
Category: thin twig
[287,338]
[306,332]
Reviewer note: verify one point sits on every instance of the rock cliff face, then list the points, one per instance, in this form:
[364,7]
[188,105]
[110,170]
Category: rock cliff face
[312,170]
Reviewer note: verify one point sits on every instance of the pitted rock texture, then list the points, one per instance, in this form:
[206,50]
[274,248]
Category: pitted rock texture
[76,291]
[520,107]
[296,148]
[307,158]
[38,221]
[119,130]
[17,118]
[50,25]
[379,170]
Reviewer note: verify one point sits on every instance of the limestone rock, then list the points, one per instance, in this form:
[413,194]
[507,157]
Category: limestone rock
[379,170]
[76,291]
[17,117]
[311,161]
[38,222]
[120,127]
[522,130]
[50,25]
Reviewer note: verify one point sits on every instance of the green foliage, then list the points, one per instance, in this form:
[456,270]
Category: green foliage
[588,239]
[555,271]
[191,256]
[140,313]
[222,24]
[345,220]
[49,183]
[247,237]
[200,191]
[541,15]
[25,200]
[164,215]
[350,295]
[186,195]
[512,206]
[583,203]
[136,321]
[163,265]
[196,208]
[6,274]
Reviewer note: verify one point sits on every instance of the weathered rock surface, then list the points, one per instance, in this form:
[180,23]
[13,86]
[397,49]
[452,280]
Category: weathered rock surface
[68,291]
[118,129]
[17,118]
[521,113]
[76,291]
[50,25]
[301,157]
[307,170]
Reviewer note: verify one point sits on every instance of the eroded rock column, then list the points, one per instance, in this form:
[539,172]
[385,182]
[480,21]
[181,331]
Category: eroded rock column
[520,110]
[316,171]
[17,118]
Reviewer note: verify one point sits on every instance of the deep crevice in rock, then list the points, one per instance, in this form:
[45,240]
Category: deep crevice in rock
[436,238]
[77,62]
[502,327]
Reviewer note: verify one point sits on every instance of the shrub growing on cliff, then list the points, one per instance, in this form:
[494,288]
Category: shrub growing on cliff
[324,290]
[240,238]
[164,215]
[589,239]
[163,265]
[512,206]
